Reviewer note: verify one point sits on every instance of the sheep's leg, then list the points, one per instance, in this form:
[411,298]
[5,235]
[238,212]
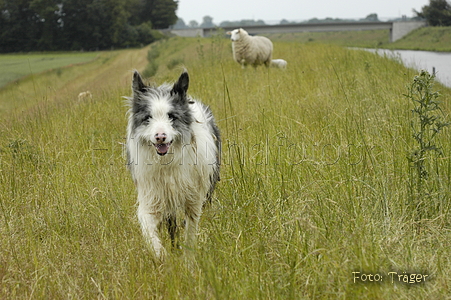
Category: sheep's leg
[149,224]
[243,63]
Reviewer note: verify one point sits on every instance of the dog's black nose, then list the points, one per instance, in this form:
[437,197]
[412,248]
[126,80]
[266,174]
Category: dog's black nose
[160,137]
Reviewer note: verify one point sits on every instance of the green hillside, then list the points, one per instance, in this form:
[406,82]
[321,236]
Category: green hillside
[426,38]
[62,85]
[315,182]
[14,66]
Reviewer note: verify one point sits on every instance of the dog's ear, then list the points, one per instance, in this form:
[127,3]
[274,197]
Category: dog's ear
[181,86]
[138,84]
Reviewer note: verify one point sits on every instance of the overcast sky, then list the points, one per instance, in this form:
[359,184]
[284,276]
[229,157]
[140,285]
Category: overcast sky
[294,10]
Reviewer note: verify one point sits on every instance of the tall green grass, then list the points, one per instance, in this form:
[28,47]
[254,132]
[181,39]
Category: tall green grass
[425,38]
[15,66]
[110,69]
[314,186]
[362,38]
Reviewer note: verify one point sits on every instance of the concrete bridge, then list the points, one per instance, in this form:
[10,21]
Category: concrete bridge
[397,29]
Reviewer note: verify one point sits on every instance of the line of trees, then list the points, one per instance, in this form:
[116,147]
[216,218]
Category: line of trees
[42,25]
[208,22]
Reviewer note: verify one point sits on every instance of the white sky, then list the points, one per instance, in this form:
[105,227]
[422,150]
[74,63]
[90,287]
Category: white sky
[272,11]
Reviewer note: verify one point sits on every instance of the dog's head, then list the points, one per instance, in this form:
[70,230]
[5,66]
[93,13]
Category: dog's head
[160,115]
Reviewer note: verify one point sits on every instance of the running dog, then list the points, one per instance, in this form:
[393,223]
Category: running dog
[173,152]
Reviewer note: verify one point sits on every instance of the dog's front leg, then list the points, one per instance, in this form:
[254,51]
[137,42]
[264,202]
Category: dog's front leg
[193,212]
[150,221]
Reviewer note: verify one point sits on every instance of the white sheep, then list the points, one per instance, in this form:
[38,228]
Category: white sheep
[250,50]
[279,63]
[84,95]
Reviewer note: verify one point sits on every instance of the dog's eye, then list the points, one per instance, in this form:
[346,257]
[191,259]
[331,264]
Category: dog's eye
[147,118]
[171,117]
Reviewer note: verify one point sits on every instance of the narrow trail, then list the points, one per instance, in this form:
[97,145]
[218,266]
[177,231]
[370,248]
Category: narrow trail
[111,70]
[113,74]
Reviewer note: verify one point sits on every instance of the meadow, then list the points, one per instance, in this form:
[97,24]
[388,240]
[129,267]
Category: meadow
[426,39]
[16,66]
[64,84]
[316,194]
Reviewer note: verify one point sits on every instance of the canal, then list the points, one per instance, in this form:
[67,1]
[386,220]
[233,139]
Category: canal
[423,60]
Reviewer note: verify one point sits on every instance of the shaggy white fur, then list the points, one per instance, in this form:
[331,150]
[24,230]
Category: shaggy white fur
[173,154]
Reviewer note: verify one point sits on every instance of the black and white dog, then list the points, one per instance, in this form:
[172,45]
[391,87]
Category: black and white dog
[173,151]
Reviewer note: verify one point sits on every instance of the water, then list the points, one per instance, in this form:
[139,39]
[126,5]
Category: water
[423,60]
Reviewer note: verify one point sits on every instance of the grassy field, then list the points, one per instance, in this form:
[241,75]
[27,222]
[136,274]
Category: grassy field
[426,38]
[315,183]
[15,66]
[364,38]
[109,70]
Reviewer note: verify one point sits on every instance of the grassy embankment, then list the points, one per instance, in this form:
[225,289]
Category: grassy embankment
[426,38]
[60,80]
[15,66]
[315,184]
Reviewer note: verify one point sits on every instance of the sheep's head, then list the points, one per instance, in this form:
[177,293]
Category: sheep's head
[236,34]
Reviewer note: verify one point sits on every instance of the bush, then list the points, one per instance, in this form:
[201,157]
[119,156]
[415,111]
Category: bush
[151,69]
[136,36]
[174,62]
[426,123]
[153,54]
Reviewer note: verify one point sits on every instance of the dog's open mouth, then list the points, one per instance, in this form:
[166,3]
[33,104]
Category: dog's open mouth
[162,149]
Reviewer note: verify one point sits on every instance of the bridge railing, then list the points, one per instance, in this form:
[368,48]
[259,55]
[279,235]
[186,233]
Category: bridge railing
[397,30]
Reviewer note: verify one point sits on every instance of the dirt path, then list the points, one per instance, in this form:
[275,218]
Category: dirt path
[111,70]
[117,72]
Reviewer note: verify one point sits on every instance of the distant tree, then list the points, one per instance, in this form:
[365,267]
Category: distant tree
[95,24]
[284,22]
[161,13]
[252,22]
[76,25]
[228,23]
[371,18]
[40,25]
[314,20]
[337,20]
[116,15]
[135,7]
[207,22]
[180,24]
[16,16]
[326,20]
[437,13]
[102,24]
[193,24]
[242,23]
[48,23]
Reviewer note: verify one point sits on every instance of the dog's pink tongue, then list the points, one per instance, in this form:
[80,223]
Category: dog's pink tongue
[162,148]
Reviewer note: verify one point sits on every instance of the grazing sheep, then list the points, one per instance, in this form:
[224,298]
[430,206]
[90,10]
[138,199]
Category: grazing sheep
[279,63]
[250,50]
[84,95]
